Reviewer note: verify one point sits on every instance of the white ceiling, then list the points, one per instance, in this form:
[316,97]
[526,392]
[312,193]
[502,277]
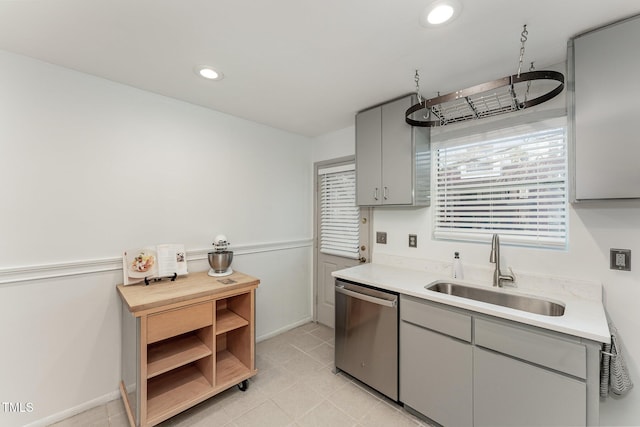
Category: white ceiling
[300,65]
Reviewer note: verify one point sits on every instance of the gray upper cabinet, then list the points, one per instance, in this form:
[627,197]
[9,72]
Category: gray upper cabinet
[393,159]
[604,111]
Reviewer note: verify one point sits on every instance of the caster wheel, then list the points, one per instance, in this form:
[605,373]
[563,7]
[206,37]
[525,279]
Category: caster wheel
[244,385]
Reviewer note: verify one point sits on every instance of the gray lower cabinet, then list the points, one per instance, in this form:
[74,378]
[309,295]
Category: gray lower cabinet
[509,392]
[436,380]
[436,377]
[461,368]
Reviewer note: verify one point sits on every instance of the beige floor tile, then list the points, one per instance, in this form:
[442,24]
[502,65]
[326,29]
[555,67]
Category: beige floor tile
[278,354]
[369,390]
[236,402]
[279,339]
[308,327]
[324,353]
[354,400]
[324,381]
[119,420]
[115,407]
[384,415]
[262,363]
[297,400]
[323,332]
[95,417]
[301,364]
[267,414]
[324,415]
[273,381]
[305,342]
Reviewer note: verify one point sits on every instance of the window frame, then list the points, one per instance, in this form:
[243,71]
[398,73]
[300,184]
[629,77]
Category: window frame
[482,233]
[343,234]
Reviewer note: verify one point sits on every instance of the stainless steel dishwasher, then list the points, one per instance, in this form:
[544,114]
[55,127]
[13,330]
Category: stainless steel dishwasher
[366,331]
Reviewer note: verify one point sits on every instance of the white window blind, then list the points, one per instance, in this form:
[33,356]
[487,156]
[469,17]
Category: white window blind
[513,183]
[339,215]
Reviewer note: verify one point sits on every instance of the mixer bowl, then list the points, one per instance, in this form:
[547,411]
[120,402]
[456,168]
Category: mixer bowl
[220,261]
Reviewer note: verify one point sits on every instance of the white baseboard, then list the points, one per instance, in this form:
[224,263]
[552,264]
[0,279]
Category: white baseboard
[102,400]
[284,329]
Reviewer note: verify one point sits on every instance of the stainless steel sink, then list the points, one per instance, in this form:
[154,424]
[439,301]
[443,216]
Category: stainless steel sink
[518,302]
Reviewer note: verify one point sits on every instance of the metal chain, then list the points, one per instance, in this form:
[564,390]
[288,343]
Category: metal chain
[526,95]
[417,80]
[523,39]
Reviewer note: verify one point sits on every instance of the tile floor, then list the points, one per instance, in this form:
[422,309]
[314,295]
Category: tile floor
[295,386]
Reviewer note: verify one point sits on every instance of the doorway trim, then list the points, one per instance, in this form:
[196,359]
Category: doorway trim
[316,246]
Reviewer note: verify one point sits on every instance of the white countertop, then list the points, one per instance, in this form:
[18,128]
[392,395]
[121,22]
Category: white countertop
[584,314]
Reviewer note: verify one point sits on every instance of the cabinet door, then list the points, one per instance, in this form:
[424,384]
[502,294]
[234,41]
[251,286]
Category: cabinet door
[508,392]
[397,154]
[606,149]
[369,157]
[436,376]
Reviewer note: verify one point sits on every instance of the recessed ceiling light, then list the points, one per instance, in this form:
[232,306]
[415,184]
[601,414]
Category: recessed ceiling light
[208,72]
[440,12]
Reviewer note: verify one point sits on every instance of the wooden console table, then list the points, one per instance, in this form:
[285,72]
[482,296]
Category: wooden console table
[185,341]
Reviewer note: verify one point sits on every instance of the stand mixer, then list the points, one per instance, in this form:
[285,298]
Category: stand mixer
[220,259]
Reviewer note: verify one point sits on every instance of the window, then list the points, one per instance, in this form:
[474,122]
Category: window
[339,215]
[512,182]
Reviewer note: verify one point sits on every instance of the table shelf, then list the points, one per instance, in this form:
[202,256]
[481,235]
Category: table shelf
[227,320]
[175,391]
[173,353]
[229,369]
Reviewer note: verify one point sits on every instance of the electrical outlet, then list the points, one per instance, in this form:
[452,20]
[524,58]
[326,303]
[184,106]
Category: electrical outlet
[620,259]
[413,241]
[381,237]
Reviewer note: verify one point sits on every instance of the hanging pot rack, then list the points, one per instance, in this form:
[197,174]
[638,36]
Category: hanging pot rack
[483,100]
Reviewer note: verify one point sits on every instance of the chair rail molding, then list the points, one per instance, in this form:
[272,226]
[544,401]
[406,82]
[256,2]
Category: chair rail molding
[29,273]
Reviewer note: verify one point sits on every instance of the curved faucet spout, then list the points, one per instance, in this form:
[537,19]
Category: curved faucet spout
[494,257]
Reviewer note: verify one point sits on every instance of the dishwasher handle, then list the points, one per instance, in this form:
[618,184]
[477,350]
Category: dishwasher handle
[368,298]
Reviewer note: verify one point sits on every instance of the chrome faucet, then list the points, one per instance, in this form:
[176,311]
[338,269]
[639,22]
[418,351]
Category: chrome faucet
[494,257]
